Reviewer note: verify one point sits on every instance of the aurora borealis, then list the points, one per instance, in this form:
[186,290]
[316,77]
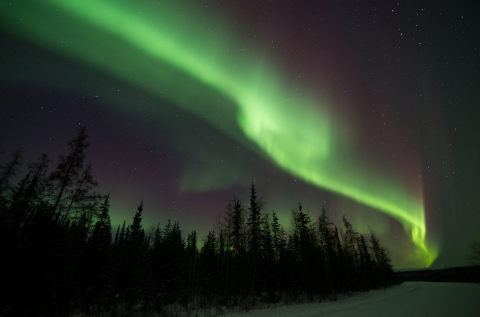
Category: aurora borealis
[203,100]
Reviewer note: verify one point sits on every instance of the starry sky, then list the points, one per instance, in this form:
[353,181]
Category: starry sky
[366,108]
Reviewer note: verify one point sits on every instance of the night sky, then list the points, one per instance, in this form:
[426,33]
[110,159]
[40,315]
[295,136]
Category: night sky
[367,108]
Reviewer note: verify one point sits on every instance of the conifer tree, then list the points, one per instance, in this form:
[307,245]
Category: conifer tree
[208,256]
[237,223]
[133,257]
[82,198]
[157,259]
[235,267]
[253,222]
[341,282]
[268,256]
[278,236]
[326,240]
[382,263]
[70,185]
[350,243]
[191,253]
[99,258]
[366,264]
[10,169]
[351,252]
[254,219]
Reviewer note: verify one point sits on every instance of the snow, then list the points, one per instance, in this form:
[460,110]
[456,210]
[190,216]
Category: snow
[408,299]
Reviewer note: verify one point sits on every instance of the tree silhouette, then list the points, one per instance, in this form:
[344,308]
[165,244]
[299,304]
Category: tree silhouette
[71,187]
[254,220]
[58,257]
[474,254]
[382,263]
[10,169]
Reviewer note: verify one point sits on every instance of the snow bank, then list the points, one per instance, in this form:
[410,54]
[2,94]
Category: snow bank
[407,300]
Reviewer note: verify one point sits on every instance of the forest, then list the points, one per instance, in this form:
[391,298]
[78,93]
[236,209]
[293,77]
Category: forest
[61,256]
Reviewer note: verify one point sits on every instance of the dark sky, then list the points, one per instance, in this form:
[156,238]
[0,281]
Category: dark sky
[367,108]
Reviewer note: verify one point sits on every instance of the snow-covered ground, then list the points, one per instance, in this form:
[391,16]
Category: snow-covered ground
[409,299]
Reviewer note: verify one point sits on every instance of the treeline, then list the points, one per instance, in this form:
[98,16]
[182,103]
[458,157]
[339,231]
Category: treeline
[60,255]
[465,274]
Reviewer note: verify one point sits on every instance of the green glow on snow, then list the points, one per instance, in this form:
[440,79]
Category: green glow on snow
[179,56]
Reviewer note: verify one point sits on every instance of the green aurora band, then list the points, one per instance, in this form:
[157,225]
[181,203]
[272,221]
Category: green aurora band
[181,57]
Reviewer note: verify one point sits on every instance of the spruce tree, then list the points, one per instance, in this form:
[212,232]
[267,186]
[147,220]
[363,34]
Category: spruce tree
[100,267]
[351,253]
[191,256]
[366,264]
[326,237]
[10,169]
[253,222]
[209,260]
[278,236]
[71,186]
[382,262]
[133,257]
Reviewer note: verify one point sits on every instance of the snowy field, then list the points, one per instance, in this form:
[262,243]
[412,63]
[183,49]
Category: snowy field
[407,300]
